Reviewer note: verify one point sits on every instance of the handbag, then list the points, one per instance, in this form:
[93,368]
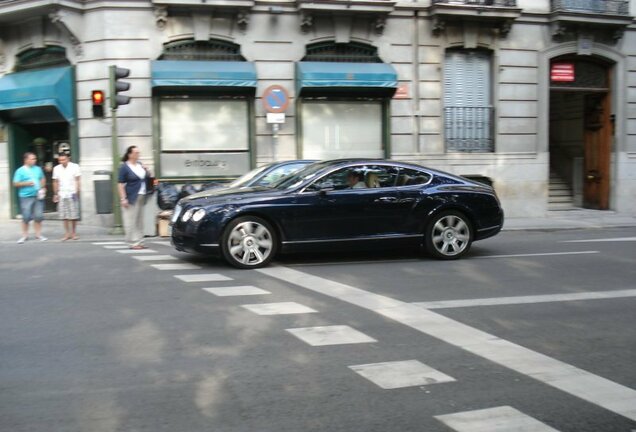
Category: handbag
[150,184]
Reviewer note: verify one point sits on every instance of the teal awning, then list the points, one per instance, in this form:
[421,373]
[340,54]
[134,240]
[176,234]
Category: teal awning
[38,92]
[314,76]
[176,73]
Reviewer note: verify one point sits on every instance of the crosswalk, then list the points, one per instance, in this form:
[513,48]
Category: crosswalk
[388,376]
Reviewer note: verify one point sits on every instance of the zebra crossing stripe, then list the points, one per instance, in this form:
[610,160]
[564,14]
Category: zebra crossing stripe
[499,419]
[570,379]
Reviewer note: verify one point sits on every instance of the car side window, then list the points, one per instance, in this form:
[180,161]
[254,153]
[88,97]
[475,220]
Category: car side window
[380,176]
[278,173]
[357,177]
[337,180]
[409,177]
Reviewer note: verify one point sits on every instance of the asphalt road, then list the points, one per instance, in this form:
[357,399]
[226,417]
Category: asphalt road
[533,331]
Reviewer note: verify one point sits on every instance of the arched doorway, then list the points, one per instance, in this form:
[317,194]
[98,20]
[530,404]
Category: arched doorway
[580,132]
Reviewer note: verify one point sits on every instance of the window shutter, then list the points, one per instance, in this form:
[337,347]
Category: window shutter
[468,109]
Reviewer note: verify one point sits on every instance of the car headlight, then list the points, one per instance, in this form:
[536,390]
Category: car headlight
[198,215]
[187,215]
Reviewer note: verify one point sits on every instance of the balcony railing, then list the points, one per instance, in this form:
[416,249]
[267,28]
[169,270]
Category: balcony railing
[469,128]
[501,3]
[614,7]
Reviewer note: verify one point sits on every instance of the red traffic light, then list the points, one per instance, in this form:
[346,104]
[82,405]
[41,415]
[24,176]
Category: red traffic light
[98,97]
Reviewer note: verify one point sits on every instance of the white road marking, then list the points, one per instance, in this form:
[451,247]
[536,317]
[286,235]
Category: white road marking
[210,277]
[578,382]
[162,243]
[177,266]
[547,298]
[245,290]
[121,246]
[330,335]
[283,308]
[109,243]
[137,251]
[155,258]
[399,374]
[616,239]
[500,419]
[536,254]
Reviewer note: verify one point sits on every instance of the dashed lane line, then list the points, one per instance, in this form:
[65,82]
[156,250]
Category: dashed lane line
[244,290]
[176,266]
[400,374]
[543,254]
[570,379]
[547,298]
[602,240]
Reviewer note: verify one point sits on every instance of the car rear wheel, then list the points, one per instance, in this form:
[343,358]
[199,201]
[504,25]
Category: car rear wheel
[448,235]
[248,242]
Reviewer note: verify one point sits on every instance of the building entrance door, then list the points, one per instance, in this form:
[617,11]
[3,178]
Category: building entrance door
[46,140]
[597,138]
[580,134]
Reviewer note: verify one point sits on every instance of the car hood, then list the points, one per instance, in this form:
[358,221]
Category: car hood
[226,195]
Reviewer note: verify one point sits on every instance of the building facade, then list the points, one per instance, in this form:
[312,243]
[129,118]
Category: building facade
[537,97]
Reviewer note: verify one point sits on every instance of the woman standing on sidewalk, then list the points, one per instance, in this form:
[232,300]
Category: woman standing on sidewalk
[132,193]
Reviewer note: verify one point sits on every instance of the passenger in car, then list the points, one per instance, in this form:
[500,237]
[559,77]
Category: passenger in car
[372,180]
[355,179]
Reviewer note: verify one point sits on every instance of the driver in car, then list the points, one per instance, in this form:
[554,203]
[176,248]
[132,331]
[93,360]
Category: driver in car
[355,179]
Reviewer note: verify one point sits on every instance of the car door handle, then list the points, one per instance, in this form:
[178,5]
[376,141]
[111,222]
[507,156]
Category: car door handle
[385,200]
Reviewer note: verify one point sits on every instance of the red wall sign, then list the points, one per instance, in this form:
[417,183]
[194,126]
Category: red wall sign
[562,72]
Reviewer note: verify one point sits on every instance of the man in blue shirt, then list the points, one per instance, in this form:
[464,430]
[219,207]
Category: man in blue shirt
[30,182]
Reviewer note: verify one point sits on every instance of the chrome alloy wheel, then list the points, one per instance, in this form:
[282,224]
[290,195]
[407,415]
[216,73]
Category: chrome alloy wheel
[250,244]
[450,235]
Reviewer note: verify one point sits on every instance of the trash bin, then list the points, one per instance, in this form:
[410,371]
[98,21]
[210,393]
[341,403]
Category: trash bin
[103,191]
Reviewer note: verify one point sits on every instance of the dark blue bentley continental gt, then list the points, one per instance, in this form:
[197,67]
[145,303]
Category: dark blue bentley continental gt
[339,204]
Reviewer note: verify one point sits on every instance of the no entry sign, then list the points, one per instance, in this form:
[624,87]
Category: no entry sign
[275,99]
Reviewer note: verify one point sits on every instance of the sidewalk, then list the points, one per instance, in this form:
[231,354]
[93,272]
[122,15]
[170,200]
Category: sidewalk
[556,220]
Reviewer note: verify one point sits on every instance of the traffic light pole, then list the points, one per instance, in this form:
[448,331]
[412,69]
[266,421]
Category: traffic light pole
[117,226]
[116,86]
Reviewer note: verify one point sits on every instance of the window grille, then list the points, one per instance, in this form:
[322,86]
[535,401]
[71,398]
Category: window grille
[40,58]
[213,50]
[335,52]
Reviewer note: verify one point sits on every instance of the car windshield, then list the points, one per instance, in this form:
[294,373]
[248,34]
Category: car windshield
[246,178]
[299,177]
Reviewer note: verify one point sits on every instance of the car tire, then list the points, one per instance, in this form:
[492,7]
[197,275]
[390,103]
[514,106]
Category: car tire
[249,242]
[448,235]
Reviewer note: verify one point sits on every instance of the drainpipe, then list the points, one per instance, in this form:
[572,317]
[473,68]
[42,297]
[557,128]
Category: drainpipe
[416,83]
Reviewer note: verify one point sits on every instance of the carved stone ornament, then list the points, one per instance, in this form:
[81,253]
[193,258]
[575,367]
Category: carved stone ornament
[242,20]
[59,21]
[505,27]
[161,17]
[438,25]
[306,22]
[379,24]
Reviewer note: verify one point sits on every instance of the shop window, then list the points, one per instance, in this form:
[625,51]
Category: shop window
[340,129]
[468,109]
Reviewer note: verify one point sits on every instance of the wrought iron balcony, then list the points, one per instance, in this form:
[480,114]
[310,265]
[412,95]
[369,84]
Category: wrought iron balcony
[499,14]
[469,129]
[500,3]
[606,20]
[611,7]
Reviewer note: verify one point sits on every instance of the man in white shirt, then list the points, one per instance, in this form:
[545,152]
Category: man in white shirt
[66,189]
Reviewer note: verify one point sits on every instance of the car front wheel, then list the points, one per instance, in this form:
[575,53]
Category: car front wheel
[448,235]
[248,242]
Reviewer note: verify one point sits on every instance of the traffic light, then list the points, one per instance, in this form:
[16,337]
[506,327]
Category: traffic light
[116,86]
[97,98]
